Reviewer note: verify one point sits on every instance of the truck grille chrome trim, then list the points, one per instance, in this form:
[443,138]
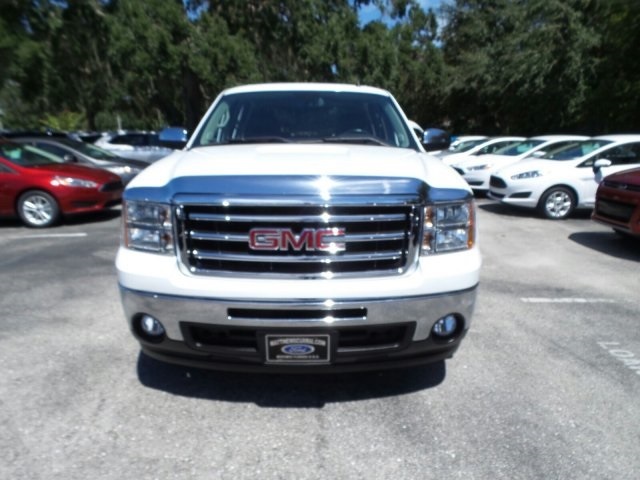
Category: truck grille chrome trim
[214,239]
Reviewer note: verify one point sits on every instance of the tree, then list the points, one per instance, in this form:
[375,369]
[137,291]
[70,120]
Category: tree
[147,57]
[519,66]
[83,80]
[614,95]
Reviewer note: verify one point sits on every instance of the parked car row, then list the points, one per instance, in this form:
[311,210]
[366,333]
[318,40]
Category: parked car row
[46,175]
[557,174]
[39,187]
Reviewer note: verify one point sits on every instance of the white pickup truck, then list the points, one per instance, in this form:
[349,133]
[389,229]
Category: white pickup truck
[302,229]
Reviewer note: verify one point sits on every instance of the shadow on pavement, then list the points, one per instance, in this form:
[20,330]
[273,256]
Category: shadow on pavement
[610,243]
[502,209]
[286,391]
[515,211]
[78,219]
[94,217]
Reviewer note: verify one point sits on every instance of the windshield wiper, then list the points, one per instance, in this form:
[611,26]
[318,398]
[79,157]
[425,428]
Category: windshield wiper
[240,141]
[364,140]
[269,139]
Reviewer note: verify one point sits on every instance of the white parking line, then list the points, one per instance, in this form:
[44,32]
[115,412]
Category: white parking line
[566,300]
[47,235]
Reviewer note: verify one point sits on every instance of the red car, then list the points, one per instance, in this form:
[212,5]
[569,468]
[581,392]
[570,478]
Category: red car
[618,202]
[40,188]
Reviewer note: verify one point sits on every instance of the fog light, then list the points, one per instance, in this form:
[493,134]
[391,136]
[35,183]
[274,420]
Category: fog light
[446,326]
[150,326]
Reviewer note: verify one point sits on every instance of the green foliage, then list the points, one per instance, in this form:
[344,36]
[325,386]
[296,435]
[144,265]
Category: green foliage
[65,121]
[519,66]
[486,66]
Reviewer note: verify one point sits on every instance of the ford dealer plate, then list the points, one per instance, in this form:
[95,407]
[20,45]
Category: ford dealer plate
[314,348]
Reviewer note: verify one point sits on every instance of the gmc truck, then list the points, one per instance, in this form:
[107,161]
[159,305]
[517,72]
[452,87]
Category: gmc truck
[303,229]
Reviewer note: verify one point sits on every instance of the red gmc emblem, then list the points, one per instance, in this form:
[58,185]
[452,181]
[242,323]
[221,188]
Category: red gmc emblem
[310,239]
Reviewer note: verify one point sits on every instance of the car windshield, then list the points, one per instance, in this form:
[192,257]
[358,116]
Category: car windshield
[26,155]
[89,150]
[575,150]
[518,148]
[305,117]
[465,145]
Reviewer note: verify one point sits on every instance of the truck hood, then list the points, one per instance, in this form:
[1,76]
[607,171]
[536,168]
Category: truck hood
[300,160]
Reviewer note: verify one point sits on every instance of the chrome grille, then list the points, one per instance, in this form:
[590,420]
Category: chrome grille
[378,240]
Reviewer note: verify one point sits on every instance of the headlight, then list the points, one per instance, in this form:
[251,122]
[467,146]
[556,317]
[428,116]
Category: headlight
[448,228]
[524,175]
[148,226]
[73,182]
[123,170]
[486,166]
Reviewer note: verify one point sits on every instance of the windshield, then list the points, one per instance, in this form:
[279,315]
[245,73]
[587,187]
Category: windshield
[575,150]
[88,150]
[305,117]
[465,145]
[27,156]
[519,148]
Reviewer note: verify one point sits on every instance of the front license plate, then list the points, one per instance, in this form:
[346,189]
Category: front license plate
[298,348]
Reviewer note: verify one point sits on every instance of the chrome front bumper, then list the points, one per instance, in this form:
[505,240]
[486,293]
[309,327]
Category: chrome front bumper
[413,315]
[424,311]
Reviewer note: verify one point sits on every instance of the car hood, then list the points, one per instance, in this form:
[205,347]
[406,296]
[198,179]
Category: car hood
[495,161]
[630,177]
[300,160]
[78,171]
[120,162]
[529,165]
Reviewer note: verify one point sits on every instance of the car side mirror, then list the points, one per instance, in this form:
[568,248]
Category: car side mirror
[435,139]
[538,154]
[173,137]
[601,163]
[69,158]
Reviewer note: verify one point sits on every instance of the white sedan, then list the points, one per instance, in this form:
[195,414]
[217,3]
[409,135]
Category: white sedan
[567,178]
[489,145]
[477,170]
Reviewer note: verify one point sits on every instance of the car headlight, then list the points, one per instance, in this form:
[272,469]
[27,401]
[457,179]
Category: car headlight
[148,226]
[485,166]
[72,182]
[448,228]
[525,175]
[123,170]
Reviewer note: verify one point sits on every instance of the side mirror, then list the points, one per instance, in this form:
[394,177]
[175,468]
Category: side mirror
[435,139]
[173,137]
[601,163]
[538,154]
[68,158]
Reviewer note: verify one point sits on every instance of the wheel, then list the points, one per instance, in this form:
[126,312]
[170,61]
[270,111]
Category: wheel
[38,209]
[557,203]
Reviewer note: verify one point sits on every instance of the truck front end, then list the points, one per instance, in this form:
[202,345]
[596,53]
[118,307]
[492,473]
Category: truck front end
[304,257]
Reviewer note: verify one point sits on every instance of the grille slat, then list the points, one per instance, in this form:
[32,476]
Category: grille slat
[372,239]
[298,258]
[295,219]
[245,238]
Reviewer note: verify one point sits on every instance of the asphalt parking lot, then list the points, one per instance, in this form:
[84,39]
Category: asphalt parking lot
[545,386]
